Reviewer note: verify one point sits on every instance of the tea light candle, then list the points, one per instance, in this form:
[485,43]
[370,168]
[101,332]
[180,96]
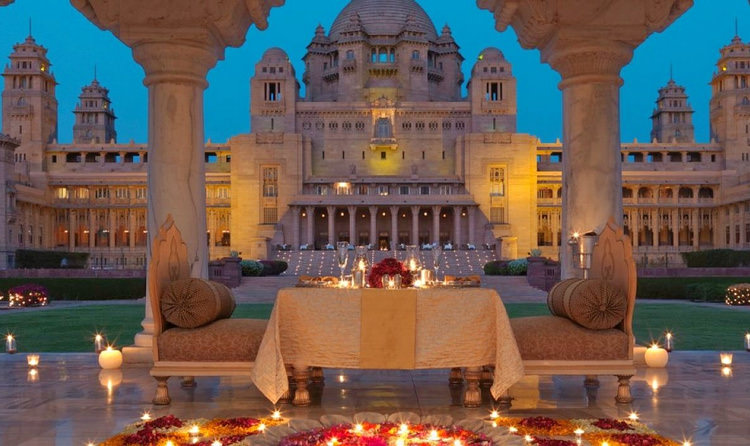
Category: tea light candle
[656,356]
[276,415]
[403,429]
[726,359]
[32,360]
[579,433]
[146,416]
[10,344]
[110,358]
[99,343]
[668,341]
[418,283]
[633,416]
[434,435]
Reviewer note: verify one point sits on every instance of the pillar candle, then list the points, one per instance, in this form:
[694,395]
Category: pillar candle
[656,357]
[110,358]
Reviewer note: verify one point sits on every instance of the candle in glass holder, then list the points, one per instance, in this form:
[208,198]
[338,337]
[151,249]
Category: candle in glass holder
[747,341]
[426,276]
[359,279]
[32,360]
[100,343]
[726,359]
[10,344]
[668,341]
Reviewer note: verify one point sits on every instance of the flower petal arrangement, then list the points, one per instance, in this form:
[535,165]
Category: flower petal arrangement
[391,267]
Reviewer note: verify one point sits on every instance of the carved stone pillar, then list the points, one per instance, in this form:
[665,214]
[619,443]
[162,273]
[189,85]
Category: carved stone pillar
[93,228]
[675,228]
[373,226]
[472,210]
[588,45]
[295,227]
[457,227]
[415,225]
[394,226]
[331,210]
[131,228]
[695,228]
[310,230]
[72,229]
[353,239]
[436,224]
[176,42]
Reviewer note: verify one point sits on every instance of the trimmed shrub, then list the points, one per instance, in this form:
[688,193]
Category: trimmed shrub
[496,268]
[273,267]
[706,289]
[518,267]
[251,268]
[85,289]
[26,258]
[716,258]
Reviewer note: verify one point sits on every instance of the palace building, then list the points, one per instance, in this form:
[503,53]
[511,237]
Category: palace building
[385,148]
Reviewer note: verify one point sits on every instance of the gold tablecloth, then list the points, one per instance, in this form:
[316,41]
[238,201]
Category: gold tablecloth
[466,327]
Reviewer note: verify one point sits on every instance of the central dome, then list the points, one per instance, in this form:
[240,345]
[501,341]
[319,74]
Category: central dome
[384,17]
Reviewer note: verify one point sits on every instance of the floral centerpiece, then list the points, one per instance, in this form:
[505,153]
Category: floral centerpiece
[390,267]
[29,295]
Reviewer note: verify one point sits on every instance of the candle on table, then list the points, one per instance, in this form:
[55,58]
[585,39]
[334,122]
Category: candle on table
[32,360]
[110,358]
[100,343]
[146,416]
[578,432]
[10,344]
[668,341]
[726,359]
[747,341]
[656,356]
[195,431]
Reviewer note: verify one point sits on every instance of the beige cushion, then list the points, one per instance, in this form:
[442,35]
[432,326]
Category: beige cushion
[594,303]
[228,340]
[557,338]
[192,303]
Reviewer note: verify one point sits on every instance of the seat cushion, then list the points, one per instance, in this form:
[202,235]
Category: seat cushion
[227,340]
[595,303]
[192,303]
[558,338]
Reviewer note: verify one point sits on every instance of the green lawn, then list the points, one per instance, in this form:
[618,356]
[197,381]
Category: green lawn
[72,329]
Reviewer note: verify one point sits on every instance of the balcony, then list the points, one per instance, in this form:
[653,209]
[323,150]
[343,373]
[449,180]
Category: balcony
[383,69]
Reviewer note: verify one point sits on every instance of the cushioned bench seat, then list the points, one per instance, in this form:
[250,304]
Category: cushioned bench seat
[556,338]
[224,340]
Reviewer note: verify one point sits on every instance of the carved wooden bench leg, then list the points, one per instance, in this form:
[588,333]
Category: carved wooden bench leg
[301,395]
[591,382]
[504,401]
[316,375]
[287,396]
[456,377]
[487,378]
[473,397]
[161,398]
[188,382]
[623,389]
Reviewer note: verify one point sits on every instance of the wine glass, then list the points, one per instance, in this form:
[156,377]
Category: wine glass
[437,259]
[342,256]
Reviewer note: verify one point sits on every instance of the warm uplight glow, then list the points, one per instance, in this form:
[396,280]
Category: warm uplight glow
[494,414]
[9,338]
[726,359]
[358,428]
[169,443]
[655,385]
[194,430]
[512,429]
[687,443]
[276,415]
[528,439]
[605,443]
[634,416]
[216,443]
[576,235]
[400,442]
[342,185]
[146,416]
[434,435]
[403,429]
[457,443]
[578,432]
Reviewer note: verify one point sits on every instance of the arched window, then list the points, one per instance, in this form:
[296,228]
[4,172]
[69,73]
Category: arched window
[383,55]
[392,57]
[705,192]
[685,192]
[415,55]
[349,55]
[645,192]
[374,56]
[627,192]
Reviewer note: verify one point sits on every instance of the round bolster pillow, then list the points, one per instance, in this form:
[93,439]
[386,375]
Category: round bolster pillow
[591,303]
[192,303]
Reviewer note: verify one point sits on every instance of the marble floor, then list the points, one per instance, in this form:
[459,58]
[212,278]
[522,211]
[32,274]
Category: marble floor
[68,402]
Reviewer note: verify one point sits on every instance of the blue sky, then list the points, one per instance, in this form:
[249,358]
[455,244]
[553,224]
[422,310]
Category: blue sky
[691,45]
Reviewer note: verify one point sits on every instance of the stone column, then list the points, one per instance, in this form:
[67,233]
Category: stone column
[415,225]
[310,230]
[695,228]
[635,225]
[72,215]
[112,221]
[331,210]
[472,210]
[176,42]
[394,226]
[131,228]
[373,226]
[436,224]
[295,227]
[588,45]
[353,225]
[93,228]
[655,228]
[675,228]
[457,227]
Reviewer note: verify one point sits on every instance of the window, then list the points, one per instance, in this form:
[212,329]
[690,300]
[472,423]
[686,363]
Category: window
[446,190]
[349,55]
[382,155]
[140,193]
[54,158]
[222,192]
[359,126]
[363,190]
[321,189]
[424,190]
[62,193]
[270,181]
[383,128]
[433,125]
[333,126]
[272,91]
[419,125]
[346,125]
[406,125]
[403,190]
[497,215]
[323,154]
[415,55]
[101,193]
[211,157]
[494,91]
[270,215]
[497,181]
[122,193]
[383,190]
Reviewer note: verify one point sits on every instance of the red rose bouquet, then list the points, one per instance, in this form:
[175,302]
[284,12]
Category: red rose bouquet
[390,267]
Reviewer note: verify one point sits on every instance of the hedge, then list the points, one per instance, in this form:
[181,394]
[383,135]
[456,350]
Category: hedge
[83,289]
[251,268]
[707,289]
[273,267]
[516,267]
[26,258]
[716,258]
